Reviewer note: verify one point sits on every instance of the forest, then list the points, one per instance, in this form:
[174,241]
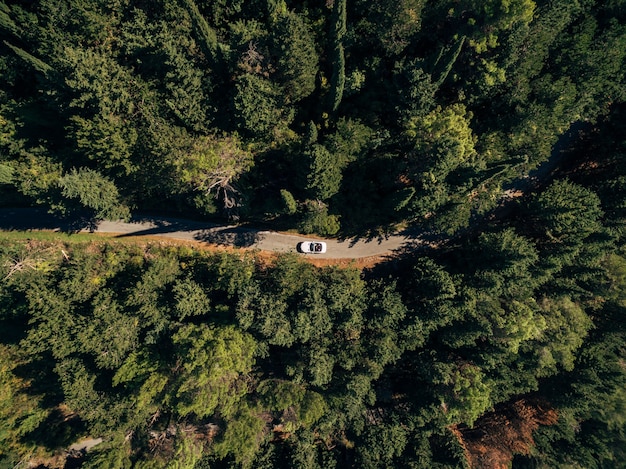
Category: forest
[497,128]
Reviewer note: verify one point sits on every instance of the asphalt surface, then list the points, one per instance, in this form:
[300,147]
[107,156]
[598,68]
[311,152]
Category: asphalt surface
[26,219]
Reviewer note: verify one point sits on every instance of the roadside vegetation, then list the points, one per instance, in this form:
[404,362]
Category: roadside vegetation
[504,346]
[344,117]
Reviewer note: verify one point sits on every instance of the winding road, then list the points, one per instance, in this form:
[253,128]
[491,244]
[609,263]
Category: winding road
[28,219]
[251,238]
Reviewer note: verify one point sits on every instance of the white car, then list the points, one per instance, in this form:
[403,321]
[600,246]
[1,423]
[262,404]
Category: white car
[312,247]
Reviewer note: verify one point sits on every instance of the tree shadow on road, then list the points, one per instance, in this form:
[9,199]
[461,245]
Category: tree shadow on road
[204,232]
[29,219]
[231,236]
[168,225]
[371,236]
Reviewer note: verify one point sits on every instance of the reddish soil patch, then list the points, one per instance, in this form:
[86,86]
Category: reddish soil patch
[265,257]
[498,436]
[360,263]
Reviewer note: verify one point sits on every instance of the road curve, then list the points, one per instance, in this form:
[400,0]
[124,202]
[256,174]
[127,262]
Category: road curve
[354,248]
[252,238]
[25,219]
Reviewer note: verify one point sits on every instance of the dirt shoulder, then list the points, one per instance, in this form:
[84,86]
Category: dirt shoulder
[360,250]
[248,238]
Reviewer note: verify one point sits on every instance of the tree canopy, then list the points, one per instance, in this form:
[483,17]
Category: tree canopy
[492,131]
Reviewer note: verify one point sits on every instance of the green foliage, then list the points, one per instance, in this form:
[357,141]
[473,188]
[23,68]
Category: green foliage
[81,395]
[6,22]
[445,61]
[338,60]
[129,91]
[338,78]
[206,35]
[257,104]
[187,453]
[567,212]
[507,255]
[566,327]
[34,62]
[113,458]
[211,165]
[467,394]
[501,15]
[448,129]
[35,175]
[109,334]
[20,411]
[432,290]
[384,337]
[349,141]
[316,219]
[381,445]
[416,89]
[320,350]
[101,93]
[105,139]
[140,373]
[191,300]
[392,25]
[444,146]
[266,314]
[284,396]
[94,192]
[312,408]
[323,173]
[311,135]
[297,63]
[290,204]
[242,437]
[215,360]
[416,114]
[6,174]
[280,395]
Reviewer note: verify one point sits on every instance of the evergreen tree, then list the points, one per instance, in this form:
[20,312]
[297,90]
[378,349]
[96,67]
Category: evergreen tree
[94,192]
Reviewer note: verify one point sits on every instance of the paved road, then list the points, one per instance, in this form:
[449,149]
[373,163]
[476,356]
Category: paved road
[36,219]
[251,238]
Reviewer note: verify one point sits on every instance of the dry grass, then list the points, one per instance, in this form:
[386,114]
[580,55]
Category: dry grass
[359,263]
[265,257]
[262,256]
[498,436]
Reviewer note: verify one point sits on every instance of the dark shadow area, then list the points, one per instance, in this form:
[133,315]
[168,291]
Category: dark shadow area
[374,235]
[238,237]
[544,173]
[25,219]
[33,218]
[368,238]
[415,246]
[206,232]
[44,382]
[12,331]
[59,430]
[75,459]
[164,225]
